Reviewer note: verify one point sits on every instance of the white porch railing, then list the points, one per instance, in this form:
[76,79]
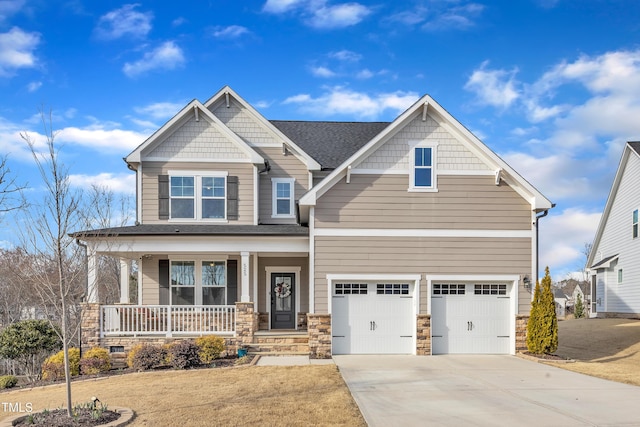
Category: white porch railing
[135,320]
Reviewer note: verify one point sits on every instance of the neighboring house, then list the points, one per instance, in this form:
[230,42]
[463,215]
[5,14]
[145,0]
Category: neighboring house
[561,302]
[614,261]
[409,237]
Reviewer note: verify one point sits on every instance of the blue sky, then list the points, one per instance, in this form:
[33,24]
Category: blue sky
[552,86]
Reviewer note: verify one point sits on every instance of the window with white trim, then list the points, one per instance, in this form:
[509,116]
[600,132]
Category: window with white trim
[282,197]
[422,174]
[619,275]
[201,282]
[635,224]
[198,196]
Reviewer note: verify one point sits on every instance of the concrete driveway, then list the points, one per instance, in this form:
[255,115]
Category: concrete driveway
[483,391]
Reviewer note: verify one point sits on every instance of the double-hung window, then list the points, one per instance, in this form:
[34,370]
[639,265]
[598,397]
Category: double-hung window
[422,172]
[198,196]
[635,224]
[282,197]
[202,282]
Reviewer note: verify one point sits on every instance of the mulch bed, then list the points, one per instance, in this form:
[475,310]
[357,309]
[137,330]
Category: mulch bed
[545,357]
[59,418]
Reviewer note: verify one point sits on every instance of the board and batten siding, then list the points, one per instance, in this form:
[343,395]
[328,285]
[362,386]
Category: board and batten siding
[617,238]
[462,202]
[151,170]
[420,255]
[282,166]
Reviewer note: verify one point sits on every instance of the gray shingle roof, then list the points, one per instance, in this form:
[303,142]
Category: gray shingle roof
[635,145]
[197,230]
[330,143]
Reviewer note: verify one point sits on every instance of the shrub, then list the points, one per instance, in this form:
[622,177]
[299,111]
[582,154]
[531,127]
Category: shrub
[542,328]
[146,356]
[210,347]
[28,343]
[184,354]
[94,361]
[53,367]
[7,381]
[579,309]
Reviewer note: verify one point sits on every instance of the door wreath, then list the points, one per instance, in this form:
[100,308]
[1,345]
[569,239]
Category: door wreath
[283,290]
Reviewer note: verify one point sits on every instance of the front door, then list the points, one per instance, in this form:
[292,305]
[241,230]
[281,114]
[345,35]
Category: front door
[283,312]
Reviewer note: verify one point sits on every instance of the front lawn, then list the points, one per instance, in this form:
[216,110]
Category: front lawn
[247,395]
[604,348]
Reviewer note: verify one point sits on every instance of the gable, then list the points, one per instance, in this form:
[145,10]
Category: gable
[395,154]
[196,140]
[614,234]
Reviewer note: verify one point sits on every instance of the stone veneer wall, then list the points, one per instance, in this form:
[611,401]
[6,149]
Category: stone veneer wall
[246,323]
[89,325]
[423,335]
[521,333]
[319,330]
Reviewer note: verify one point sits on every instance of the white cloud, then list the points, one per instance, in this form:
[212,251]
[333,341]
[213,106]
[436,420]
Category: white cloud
[338,16]
[345,56]
[124,183]
[323,72]
[160,110]
[440,16]
[319,14]
[34,86]
[342,101]
[168,56]
[281,6]
[9,7]
[122,22]
[562,238]
[230,32]
[101,139]
[17,50]
[493,87]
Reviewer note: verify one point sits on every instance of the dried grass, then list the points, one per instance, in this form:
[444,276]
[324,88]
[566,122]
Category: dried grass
[248,395]
[604,348]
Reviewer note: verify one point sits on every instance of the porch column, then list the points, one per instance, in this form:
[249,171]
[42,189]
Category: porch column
[244,277]
[124,280]
[92,278]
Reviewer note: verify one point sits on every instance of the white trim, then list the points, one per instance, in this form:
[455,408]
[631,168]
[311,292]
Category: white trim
[244,277]
[433,145]
[461,172]
[197,284]
[196,160]
[274,197]
[139,194]
[312,260]
[283,269]
[255,282]
[466,172]
[256,195]
[513,295]
[411,232]
[197,194]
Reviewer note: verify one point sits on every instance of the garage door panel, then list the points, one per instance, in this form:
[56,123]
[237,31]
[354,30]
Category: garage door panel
[373,323]
[470,318]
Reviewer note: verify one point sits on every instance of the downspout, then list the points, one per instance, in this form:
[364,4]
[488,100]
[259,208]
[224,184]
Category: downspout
[538,218]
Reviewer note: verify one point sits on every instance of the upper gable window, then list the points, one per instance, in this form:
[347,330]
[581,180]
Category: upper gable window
[198,196]
[422,174]
[635,224]
[282,197]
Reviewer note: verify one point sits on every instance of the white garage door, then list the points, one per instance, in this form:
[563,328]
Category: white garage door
[373,318]
[470,318]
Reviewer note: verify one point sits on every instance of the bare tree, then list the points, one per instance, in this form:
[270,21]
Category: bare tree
[17,300]
[105,210]
[10,191]
[586,251]
[59,274]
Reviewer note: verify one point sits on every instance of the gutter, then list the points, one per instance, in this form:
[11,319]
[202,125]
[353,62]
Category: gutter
[538,218]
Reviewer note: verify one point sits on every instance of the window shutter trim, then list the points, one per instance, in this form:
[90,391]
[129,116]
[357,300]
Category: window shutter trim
[163,196]
[232,198]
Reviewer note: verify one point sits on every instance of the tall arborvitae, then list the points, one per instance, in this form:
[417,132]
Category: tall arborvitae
[579,309]
[542,329]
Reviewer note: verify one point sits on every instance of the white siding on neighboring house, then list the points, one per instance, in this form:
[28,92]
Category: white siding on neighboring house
[617,239]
